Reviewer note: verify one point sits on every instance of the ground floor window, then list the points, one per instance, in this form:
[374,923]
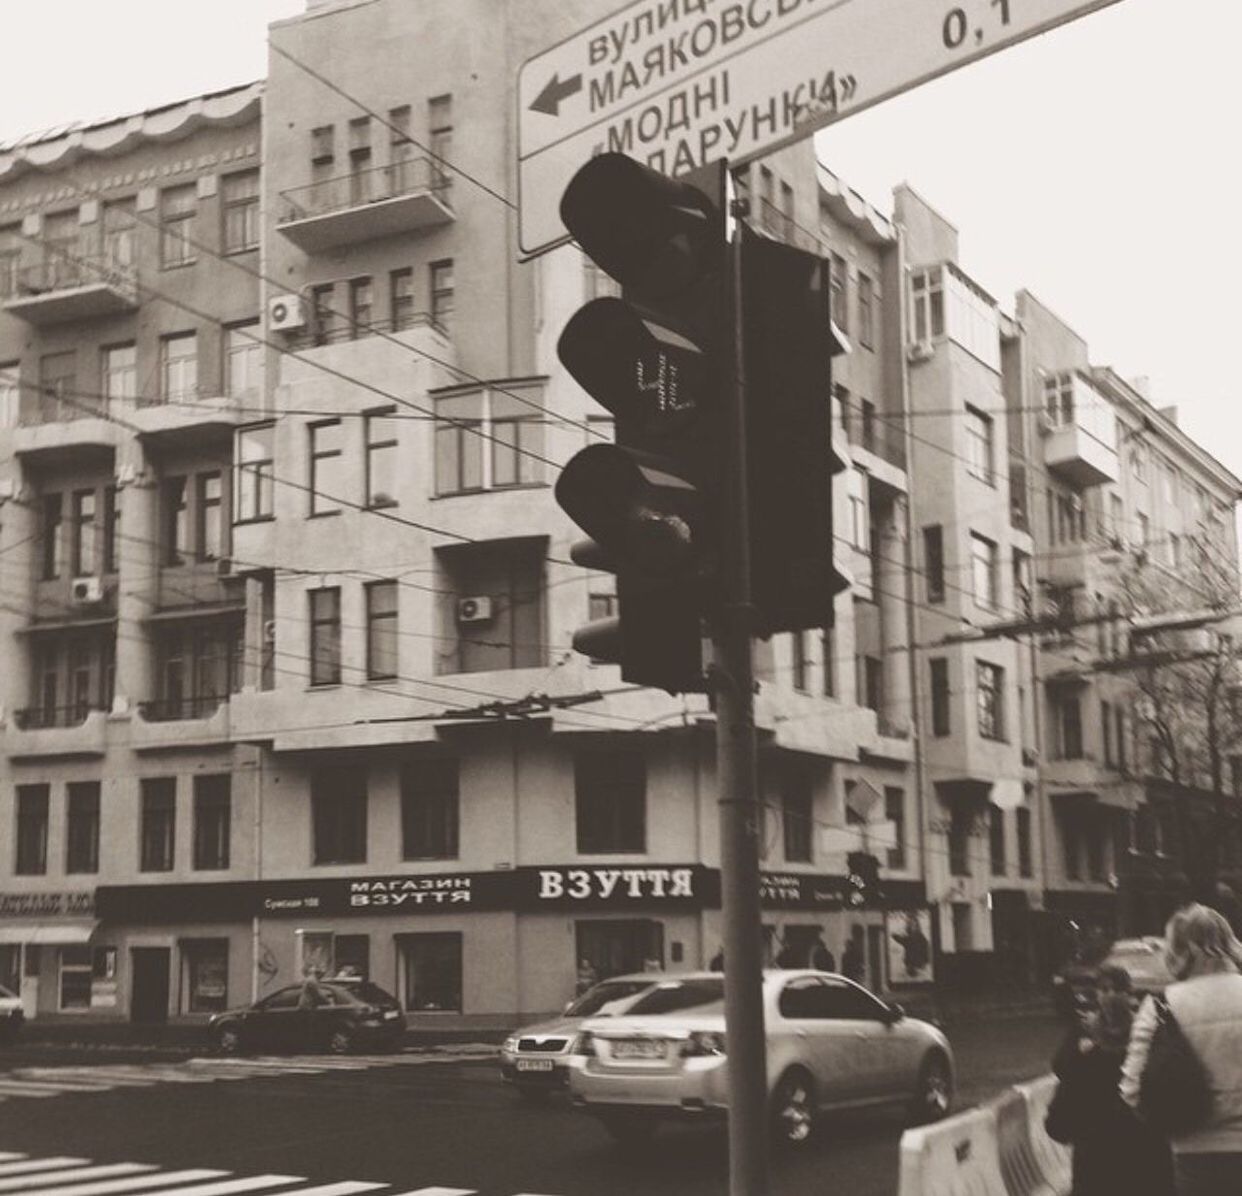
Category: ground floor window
[612,947]
[75,977]
[206,974]
[11,967]
[353,955]
[431,972]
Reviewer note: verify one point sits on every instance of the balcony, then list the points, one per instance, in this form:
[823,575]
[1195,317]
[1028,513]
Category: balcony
[62,289]
[42,731]
[60,430]
[1080,430]
[181,722]
[188,420]
[404,197]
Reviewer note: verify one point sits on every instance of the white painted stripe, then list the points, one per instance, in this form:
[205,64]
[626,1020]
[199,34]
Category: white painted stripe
[439,1192]
[29,1166]
[26,1183]
[345,1188]
[30,1088]
[58,1075]
[249,1183]
[165,1180]
[10,1156]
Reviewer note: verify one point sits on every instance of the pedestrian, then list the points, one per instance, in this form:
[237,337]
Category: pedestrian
[587,977]
[820,957]
[1113,1153]
[853,964]
[787,956]
[1204,958]
[717,963]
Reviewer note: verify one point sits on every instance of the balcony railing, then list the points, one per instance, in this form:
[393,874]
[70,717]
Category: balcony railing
[380,201]
[52,408]
[67,285]
[174,709]
[341,330]
[41,718]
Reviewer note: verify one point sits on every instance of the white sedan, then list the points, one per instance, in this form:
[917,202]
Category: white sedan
[831,1044]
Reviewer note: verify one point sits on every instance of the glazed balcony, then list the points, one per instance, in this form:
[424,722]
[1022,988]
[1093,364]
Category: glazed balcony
[1080,432]
[383,201]
[61,289]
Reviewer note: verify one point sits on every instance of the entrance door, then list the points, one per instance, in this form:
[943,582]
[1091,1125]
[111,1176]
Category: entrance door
[149,970]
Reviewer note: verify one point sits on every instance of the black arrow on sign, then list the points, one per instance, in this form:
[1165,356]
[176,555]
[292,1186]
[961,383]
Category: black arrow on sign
[549,99]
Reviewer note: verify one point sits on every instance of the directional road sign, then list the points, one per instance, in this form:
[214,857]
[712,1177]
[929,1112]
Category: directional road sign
[676,83]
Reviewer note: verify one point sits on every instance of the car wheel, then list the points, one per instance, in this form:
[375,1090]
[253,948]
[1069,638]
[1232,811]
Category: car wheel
[629,1129]
[793,1109]
[228,1041]
[933,1097]
[340,1042]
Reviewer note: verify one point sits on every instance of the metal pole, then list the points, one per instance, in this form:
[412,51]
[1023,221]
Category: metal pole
[741,815]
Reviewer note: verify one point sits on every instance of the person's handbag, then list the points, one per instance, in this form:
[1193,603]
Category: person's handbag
[1174,1095]
[1062,1120]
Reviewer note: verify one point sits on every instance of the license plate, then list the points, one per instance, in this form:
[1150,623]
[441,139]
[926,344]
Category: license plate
[534,1065]
[391,1014]
[637,1048]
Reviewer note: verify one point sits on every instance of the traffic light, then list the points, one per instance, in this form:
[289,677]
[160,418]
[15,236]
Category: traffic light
[654,359]
[863,878]
[789,346]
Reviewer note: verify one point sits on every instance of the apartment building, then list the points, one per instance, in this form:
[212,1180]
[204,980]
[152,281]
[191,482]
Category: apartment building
[289,600]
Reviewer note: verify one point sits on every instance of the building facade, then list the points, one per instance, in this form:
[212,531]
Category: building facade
[288,601]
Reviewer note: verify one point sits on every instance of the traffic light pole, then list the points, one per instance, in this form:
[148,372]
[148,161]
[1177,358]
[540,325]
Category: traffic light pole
[741,813]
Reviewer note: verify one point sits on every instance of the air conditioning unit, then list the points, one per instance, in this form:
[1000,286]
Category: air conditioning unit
[269,631]
[86,591]
[286,313]
[474,610]
[920,351]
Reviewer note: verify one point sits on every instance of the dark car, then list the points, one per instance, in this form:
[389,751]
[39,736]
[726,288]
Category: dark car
[337,1016]
[1142,959]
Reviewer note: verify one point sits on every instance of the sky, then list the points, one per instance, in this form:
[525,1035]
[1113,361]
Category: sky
[1090,165]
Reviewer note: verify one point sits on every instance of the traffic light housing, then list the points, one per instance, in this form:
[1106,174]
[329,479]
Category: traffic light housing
[789,346]
[863,878]
[654,359]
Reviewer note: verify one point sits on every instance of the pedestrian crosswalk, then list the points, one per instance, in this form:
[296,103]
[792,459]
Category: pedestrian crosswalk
[67,1175]
[43,1082]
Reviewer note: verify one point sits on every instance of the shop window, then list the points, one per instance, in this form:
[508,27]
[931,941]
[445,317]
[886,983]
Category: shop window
[431,972]
[610,795]
[613,947]
[75,977]
[206,975]
[353,955]
[429,809]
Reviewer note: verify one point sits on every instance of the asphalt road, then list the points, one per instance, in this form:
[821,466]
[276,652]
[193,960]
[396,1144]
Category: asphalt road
[417,1123]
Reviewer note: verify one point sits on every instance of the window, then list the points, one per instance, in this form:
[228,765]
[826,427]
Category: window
[85,534]
[1144,527]
[339,815]
[212,822]
[327,467]
[178,209]
[381,629]
[442,301]
[400,149]
[179,367]
[980,449]
[1094,839]
[120,372]
[206,964]
[1116,516]
[933,562]
[325,632]
[960,824]
[353,954]
[1021,576]
[1106,731]
[210,516]
[32,804]
[927,298]
[176,520]
[243,361]
[323,315]
[983,567]
[601,606]
[10,390]
[610,801]
[429,809]
[801,659]
[516,441]
[401,298]
[505,423]
[360,304]
[1059,399]
[82,827]
[866,311]
[1138,465]
[255,466]
[828,645]
[940,696]
[159,823]
[118,233]
[58,382]
[322,152]
[839,298]
[895,812]
[431,972]
[381,445]
[990,695]
[872,683]
[1121,739]
[10,259]
[1025,861]
[360,160]
[797,809]
[440,127]
[996,839]
[239,203]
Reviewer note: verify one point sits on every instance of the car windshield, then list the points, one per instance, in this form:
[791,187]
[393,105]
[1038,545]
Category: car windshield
[671,996]
[594,999]
[359,992]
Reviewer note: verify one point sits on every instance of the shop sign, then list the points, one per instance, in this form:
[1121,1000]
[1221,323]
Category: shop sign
[617,886]
[47,905]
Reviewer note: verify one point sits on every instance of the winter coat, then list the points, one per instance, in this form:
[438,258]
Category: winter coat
[1114,1154]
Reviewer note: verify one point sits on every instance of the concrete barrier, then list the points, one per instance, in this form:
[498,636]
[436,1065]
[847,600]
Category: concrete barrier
[998,1149]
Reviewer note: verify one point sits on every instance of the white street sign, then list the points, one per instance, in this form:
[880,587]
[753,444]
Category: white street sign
[676,83]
